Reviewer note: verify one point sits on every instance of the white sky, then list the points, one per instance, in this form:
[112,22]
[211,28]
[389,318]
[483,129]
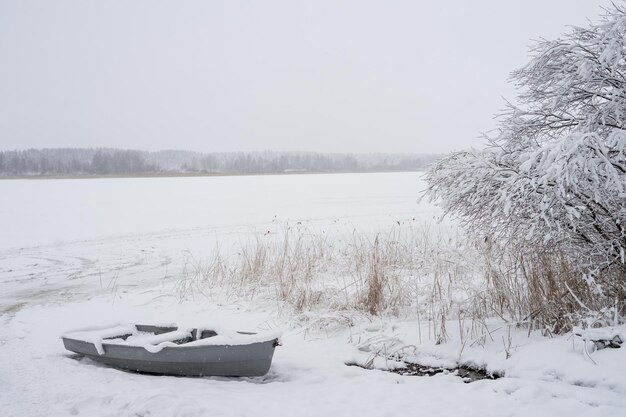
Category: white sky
[340,76]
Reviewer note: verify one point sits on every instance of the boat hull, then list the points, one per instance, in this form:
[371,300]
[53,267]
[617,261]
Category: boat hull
[252,359]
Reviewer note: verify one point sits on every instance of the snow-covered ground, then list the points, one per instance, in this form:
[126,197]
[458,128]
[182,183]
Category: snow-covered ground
[75,253]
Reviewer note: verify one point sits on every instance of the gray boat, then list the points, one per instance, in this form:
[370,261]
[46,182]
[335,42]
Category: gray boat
[170,350]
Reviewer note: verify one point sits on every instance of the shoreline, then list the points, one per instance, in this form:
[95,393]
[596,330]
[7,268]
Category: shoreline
[188,175]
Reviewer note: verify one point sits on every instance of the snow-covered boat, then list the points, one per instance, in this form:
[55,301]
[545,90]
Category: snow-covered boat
[172,350]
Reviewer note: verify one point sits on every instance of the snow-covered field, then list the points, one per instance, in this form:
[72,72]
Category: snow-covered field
[75,253]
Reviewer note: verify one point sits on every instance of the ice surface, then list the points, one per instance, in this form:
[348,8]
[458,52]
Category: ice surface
[52,211]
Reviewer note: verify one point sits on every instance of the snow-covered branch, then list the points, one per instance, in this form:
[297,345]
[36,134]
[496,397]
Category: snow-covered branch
[554,175]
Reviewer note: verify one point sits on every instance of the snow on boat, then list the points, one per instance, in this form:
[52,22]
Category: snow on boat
[171,350]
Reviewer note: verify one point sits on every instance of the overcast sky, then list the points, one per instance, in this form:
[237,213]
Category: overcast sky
[339,76]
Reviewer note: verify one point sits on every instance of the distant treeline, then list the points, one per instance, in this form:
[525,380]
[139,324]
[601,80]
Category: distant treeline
[105,161]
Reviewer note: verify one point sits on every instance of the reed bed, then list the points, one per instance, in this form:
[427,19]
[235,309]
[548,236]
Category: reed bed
[442,278]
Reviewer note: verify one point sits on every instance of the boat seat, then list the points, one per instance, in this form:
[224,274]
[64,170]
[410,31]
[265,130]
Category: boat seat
[204,334]
[176,336]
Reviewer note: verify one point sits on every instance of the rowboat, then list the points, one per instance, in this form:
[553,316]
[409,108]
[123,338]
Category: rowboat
[172,350]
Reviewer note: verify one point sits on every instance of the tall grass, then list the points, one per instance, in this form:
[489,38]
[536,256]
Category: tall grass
[436,275]
[539,288]
[408,268]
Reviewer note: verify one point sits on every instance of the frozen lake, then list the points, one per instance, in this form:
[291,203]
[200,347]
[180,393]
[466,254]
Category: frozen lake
[81,235]
[39,212]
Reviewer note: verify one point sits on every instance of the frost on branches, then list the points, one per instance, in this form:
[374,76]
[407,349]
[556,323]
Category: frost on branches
[554,174]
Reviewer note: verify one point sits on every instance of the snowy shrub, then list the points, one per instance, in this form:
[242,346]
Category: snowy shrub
[553,176]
